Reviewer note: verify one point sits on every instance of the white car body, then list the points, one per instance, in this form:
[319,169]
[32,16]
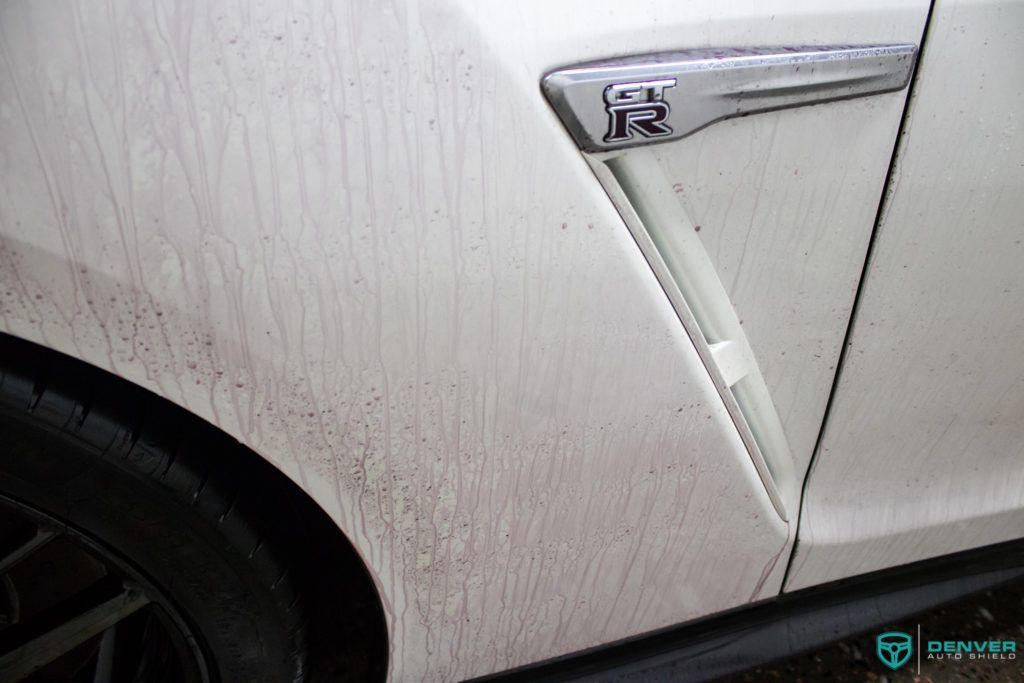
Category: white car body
[358,239]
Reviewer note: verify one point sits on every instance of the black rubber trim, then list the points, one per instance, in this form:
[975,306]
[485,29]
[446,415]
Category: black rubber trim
[787,625]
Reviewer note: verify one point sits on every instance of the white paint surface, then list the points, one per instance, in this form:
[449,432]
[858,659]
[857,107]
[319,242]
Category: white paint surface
[355,237]
[785,207]
[923,454]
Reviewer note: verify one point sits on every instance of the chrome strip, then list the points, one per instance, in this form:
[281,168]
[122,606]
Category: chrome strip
[655,98]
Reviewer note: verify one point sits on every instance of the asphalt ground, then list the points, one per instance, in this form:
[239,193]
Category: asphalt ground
[995,615]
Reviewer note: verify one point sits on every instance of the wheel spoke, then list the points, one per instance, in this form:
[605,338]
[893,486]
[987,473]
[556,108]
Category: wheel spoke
[33,651]
[15,555]
[62,604]
[105,656]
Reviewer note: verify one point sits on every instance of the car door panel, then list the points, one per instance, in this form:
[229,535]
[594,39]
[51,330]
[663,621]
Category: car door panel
[921,455]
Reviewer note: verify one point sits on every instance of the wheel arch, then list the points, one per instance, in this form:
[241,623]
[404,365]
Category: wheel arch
[343,578]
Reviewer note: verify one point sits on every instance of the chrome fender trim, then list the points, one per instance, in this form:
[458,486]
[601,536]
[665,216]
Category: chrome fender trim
[646,99]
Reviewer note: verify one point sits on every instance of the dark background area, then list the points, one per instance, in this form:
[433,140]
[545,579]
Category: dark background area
[993,615]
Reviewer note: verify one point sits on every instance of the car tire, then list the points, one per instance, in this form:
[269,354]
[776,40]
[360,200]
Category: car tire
[160,506]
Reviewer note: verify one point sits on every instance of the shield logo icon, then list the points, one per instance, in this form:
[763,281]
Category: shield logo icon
[894,648]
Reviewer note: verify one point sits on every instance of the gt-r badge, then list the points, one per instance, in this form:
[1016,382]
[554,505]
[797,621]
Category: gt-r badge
[641,107]
[637,107]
